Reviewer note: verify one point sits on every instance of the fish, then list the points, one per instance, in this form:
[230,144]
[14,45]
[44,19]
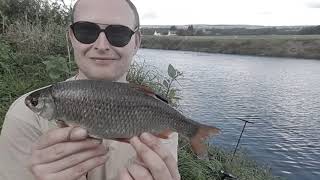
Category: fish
[117,110]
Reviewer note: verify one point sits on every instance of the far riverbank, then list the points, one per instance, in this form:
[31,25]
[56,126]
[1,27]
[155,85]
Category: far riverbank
[294,46]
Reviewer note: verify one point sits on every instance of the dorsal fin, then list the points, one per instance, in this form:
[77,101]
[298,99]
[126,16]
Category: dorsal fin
[148,91]
[162,98]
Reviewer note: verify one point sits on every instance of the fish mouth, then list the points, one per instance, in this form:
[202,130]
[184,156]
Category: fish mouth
[27,101]
[32,99]
[32,103]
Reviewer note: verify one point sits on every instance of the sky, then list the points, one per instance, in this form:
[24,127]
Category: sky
[215,12]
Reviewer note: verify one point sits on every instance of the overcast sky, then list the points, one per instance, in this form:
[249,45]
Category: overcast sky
[250,12]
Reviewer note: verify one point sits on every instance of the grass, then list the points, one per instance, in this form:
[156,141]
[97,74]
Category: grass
[302,46]
[221,160]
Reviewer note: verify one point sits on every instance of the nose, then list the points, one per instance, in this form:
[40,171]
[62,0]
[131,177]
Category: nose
[102,43]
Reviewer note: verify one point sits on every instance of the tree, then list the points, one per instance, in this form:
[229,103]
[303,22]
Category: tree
[190,30]
[173,28]
[310,30]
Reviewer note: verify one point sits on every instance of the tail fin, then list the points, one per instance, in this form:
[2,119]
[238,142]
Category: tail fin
[198,140]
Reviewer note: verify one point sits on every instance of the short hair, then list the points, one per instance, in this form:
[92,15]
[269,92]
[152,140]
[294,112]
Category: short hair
[132,6]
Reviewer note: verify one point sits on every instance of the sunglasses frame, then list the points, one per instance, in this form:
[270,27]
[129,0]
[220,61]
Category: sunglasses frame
[72,26]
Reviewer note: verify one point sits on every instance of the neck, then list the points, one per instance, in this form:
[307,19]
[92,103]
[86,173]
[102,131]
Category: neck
[80,75]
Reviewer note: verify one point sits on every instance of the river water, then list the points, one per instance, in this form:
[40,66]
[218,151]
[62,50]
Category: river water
[280,95]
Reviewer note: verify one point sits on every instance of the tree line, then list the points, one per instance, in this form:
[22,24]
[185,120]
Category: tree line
[191,31]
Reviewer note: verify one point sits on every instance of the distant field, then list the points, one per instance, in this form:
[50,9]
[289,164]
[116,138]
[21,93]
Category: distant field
[248,37]
[297,46]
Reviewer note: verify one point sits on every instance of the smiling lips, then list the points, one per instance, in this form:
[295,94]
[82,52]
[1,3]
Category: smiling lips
[103,60]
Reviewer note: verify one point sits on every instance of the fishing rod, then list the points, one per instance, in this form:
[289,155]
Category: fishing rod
[226,175]
[244,126]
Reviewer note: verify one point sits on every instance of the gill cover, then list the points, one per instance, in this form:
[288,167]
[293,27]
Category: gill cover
[42,103]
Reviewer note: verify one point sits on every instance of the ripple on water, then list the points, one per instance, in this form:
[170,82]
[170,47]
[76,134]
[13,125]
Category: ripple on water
[286,172]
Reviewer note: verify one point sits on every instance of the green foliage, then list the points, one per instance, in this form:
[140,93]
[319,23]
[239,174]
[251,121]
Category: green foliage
[220,160]
[310,30]
[35,11]
[173,28]
[58,68]
[5,52]
[142,74]
[35,26]
[190,30]
[37,38]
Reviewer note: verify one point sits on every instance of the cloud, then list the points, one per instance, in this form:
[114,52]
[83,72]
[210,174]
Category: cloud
[149,15]
[313,4]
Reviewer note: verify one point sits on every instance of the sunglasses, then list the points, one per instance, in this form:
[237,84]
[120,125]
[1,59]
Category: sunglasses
[88,32]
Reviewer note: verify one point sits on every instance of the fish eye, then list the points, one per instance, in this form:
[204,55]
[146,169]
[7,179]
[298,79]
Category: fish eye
[34,102]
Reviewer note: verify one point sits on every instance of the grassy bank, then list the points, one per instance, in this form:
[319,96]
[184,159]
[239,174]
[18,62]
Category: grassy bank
[303,46]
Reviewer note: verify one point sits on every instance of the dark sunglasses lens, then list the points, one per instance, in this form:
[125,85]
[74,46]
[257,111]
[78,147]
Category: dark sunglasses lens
[119,35]
[86,32]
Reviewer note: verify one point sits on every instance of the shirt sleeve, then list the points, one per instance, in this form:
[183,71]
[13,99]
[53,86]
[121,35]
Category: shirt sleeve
[20,129]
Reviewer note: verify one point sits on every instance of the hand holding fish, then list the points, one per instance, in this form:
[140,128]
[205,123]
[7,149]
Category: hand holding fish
[157,162]
[66,154]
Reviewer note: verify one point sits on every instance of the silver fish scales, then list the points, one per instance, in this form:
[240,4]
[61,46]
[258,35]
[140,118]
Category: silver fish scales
[112,110]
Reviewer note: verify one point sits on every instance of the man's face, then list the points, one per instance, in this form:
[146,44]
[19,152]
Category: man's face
[101,60]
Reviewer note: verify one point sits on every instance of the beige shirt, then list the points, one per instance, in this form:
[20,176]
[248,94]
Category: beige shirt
[22,128]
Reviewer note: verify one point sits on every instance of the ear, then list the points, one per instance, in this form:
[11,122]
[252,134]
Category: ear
[71,36]
[137,41]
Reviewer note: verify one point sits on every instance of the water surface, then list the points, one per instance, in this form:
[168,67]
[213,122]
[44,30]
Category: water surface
[280,95]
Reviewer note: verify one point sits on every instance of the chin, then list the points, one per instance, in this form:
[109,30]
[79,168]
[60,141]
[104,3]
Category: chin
[112,72]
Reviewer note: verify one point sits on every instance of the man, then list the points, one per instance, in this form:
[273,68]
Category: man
[32,148]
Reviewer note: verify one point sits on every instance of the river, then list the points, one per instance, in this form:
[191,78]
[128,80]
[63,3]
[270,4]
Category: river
[280,95]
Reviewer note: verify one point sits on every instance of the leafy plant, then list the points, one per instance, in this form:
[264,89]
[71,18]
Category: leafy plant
[142,74]
[58,67]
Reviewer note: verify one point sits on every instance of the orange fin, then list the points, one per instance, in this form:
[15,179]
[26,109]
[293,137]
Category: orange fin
[148,91]
[198,140]
[165,134]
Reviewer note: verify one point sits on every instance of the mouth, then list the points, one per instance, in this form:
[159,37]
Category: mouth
[28,102]
[103,59]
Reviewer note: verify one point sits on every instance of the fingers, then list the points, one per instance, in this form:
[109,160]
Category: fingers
[138,172]
[83,178]
[135,172]
[60,150]
[79,170]
[66,153]
[125,175]
[155,144]
[73,159]
[152,160]
[60,135]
